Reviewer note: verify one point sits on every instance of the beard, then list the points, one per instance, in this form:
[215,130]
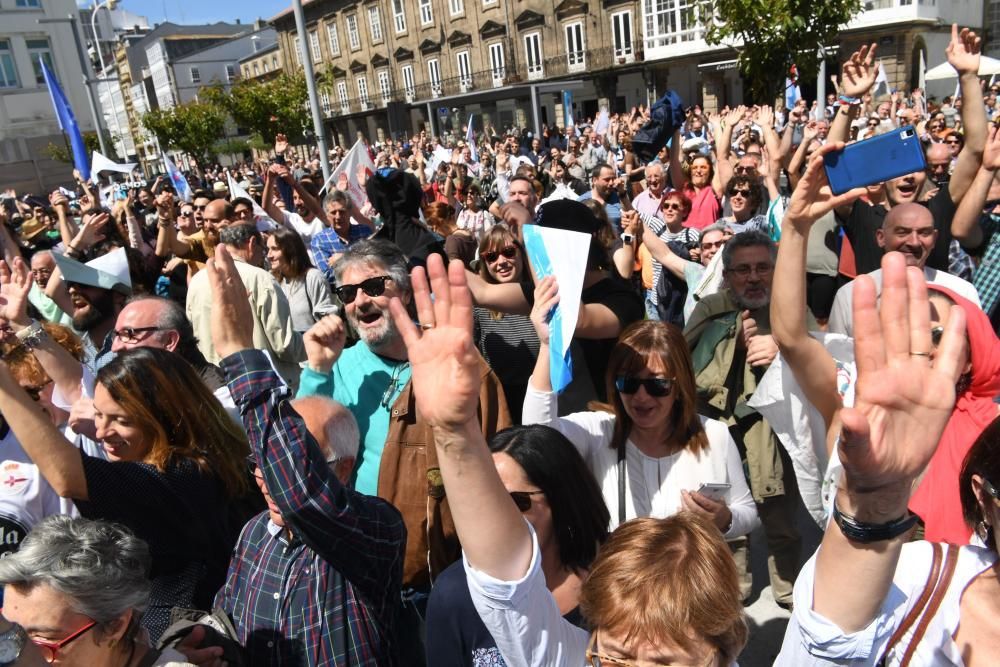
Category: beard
[95,312]
[378,336]
[751,302]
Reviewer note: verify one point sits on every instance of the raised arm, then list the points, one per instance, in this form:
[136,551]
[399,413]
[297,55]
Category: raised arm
[811,364]
[888,438]
[445,370]
[771,160]
[723,146]
[167,243]
[677,177]
[965,223]
[963,54]
[857,76]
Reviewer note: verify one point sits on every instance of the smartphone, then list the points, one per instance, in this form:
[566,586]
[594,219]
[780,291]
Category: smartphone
[715,490]
[881,158]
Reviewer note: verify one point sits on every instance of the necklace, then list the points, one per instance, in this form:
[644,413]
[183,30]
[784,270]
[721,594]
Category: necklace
[390,391]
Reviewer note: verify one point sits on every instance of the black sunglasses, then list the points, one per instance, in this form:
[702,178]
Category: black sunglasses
[523,499]
[657,387]
[743,193]
[372,287]
[510,252]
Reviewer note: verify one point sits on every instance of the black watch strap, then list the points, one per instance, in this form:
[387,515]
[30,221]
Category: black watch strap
[859,531]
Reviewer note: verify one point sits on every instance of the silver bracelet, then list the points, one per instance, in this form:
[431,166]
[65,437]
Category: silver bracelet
[31,335]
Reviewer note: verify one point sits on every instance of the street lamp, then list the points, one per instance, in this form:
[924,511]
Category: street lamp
[109,5]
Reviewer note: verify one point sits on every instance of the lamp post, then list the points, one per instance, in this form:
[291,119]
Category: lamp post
[306,55]
[109,5]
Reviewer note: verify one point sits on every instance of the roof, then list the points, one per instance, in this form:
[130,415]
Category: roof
[259,52]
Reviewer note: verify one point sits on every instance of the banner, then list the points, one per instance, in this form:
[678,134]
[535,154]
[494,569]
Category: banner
[346,173]
[470,139]
[264,222]
[99,163]
[602,123]
[177,178]
[67,121]
[567,101]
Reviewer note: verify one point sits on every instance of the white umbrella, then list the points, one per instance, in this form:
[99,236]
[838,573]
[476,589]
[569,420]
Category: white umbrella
[987,66]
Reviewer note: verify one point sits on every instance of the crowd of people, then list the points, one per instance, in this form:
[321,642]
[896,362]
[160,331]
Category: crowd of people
[291,422]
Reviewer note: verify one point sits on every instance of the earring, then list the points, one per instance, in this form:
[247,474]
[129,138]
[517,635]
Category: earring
[983,530]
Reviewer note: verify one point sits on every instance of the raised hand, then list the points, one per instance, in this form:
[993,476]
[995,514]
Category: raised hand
[324,342]
[906,388]
[858,73]
[812,197]
[546,298]
[232,318]
[443,361]
[91,231]
[764,116]
[280,144]
[15,284]
[963,51]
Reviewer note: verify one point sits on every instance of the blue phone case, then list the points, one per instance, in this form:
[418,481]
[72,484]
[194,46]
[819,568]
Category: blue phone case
[874,160]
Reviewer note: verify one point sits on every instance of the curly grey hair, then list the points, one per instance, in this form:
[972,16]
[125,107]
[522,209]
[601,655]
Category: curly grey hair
[380,253]
[101,567]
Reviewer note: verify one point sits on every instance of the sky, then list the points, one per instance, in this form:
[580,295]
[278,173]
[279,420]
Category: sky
[194,12]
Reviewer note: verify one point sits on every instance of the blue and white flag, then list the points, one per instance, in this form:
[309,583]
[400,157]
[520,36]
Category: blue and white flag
[602,123]
[67,121]
[470,139]
[563,254]
[792,94]
[177,178]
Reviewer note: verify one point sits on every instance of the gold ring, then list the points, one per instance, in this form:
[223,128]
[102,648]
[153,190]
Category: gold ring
[425,327]
[920,354]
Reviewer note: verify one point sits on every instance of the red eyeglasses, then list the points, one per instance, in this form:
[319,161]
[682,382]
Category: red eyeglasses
[50,650]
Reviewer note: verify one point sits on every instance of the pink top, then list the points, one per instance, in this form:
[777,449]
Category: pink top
[705,207]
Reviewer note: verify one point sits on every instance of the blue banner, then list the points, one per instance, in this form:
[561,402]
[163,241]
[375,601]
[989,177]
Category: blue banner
[67,121]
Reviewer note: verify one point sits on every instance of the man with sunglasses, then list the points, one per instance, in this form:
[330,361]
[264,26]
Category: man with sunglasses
[397,459]
[729,335]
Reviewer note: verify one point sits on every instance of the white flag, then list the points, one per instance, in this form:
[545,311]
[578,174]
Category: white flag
[880,80]
[100,163]
[348,168]
[264,222]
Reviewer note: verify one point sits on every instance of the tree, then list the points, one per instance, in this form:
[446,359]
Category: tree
[775,34]
[62,153]
[193,128]
[266,108]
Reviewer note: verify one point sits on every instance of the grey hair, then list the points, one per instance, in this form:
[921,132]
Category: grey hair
[748,239]
[375,252]
[337,196]
[173,318]
[719,226]
[239,235]
[101,567]
[339,425]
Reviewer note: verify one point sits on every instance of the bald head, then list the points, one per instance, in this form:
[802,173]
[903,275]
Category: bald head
[331,424]
[938,162]
[909,229]
[218,213]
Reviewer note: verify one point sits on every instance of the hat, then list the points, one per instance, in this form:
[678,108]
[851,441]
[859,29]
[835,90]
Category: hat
[220,187]
[108,271]
[569,215]
[31,228]
[694,144]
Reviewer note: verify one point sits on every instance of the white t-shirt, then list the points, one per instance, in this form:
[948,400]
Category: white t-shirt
[306,230]
[653,485]
[842,321]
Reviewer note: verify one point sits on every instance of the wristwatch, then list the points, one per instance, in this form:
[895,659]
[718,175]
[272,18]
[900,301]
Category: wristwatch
[627,239]
[866,533]
[11,644]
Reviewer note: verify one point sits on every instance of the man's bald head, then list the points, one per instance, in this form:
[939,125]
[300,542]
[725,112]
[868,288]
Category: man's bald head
[938,162]
[909,229]
[218,213]
[334,428]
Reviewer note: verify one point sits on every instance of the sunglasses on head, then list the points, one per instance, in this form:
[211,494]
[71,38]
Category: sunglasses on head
[510,252]
[372,287]
[627,384]
[523,498]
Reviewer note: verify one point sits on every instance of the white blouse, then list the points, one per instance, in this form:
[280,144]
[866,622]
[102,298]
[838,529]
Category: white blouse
[653,485]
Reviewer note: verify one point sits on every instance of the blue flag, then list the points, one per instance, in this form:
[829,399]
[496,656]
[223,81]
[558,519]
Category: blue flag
[177,178]
[67,121]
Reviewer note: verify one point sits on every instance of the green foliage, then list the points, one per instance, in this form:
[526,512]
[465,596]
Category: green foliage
[775,34]
[231,147]
[266,108]
[193,128]
[62,152]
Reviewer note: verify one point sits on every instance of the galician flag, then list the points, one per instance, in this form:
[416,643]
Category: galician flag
[177,178]
[67,121]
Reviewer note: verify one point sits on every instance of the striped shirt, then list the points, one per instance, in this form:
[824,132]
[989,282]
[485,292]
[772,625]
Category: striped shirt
[686,235]
[325,591]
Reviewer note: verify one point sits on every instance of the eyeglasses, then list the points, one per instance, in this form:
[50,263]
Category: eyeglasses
[709,246]
[953,142]
[656,387]
[182,214]
[523,499]
[510,252]
[597,659]
[743,270]
[200,208]
[132,334]
[742,193]
[373,287]
[50,650]
[741,169]
[671,206]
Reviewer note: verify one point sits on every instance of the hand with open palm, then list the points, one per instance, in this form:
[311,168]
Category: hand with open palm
[964,50]
[15,284]
[858,73]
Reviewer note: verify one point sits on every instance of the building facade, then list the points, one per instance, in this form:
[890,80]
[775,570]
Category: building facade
[264,62]
[33,31]
[391,67]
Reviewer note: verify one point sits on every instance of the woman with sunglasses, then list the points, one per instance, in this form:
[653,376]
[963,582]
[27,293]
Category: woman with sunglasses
[649,449]
[551,486]
[638,610]
[75,591]
[304,286]
[745,195]
[174,470]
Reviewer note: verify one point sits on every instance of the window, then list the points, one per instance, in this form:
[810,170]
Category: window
[333,39]
[230,73]
[256,69]
[353,38]
[266,68]
[375,23]
[39,50]
[317,53]
[274,62]
[434,76]
[670,22]
[497,64]
[345,105]
[324,102]
[398,16]
[195,75]
[363,91]
[426,13]
[533,55]
[8,72]
[574,47]
[298,52]
[408,84]
[621,35]
[384,86]
[488,3]
[464,70]
[28,3]
[456,6]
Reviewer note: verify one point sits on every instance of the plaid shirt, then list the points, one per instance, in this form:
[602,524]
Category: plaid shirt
[327,242]
[986,277]
[328,592]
